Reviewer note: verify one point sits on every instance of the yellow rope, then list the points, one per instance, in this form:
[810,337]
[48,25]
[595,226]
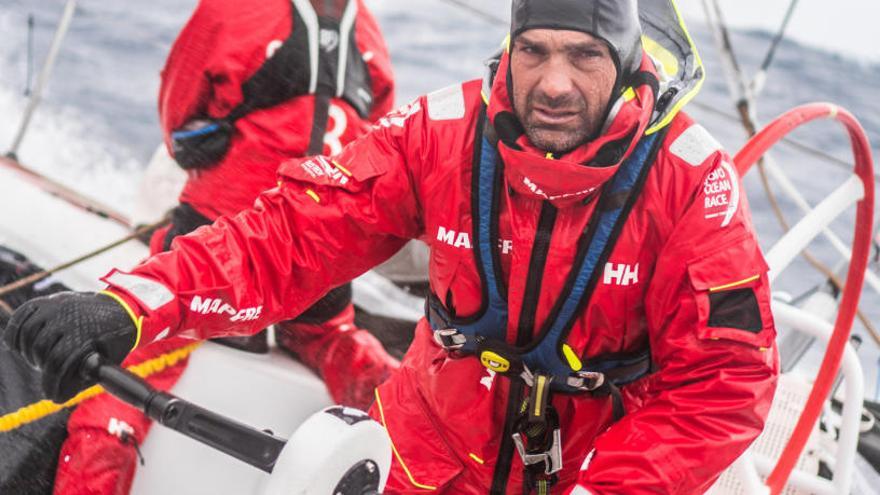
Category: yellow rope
[40,410]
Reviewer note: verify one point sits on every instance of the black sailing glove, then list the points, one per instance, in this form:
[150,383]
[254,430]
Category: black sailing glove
[56,333]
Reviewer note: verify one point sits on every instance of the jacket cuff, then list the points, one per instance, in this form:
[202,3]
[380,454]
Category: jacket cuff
[136,318]
[143,298]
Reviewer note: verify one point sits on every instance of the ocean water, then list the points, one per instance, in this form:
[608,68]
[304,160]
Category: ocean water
[97,126]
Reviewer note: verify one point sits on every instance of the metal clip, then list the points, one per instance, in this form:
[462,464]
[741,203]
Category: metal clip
[527,376]
[587,380]
[552,458]
[450,339]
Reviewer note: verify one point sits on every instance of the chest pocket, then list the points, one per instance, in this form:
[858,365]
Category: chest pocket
[733,295]
[323,171]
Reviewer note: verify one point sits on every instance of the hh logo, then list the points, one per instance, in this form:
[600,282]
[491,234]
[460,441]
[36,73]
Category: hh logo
[620,274]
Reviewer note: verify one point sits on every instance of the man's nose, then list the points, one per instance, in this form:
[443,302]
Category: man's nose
[556,80]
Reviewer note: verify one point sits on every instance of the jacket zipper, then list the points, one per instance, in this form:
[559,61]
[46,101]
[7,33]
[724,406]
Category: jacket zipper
[525,330]
[537,264]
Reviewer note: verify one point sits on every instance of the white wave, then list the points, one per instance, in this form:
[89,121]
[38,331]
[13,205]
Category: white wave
[61,144]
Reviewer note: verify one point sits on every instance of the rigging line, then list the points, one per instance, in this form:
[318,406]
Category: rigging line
[44,76]
[481,13]
[794,143]
[757,83]
[39,410]
[64,193]
[734,74]
[36,277]
[745,106]
[779,35]
[30,55]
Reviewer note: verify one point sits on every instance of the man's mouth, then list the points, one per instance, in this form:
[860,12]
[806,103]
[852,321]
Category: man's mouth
[553,117]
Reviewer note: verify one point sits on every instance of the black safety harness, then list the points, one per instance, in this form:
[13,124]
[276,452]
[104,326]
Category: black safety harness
[320,57]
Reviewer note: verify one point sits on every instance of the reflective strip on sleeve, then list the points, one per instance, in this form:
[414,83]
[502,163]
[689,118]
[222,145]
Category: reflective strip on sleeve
[695,145]
[446,104]
[150,293]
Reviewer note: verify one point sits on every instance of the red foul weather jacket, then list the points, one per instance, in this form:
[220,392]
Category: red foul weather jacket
[685,278]
[221,47]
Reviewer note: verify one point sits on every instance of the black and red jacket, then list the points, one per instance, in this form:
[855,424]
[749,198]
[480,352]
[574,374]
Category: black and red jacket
[221,47]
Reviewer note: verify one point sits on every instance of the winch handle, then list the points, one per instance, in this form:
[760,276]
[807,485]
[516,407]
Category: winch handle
[245,443]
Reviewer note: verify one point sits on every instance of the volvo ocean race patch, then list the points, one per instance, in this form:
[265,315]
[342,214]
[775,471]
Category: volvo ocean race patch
[721,193]
[694,145]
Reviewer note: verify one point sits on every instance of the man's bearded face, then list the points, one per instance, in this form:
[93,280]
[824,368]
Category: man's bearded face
[562,83]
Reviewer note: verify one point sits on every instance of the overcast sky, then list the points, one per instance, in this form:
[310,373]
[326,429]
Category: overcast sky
[847,26]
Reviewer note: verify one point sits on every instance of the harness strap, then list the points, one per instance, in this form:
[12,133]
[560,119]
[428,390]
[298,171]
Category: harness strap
[320,57]
[485,333]
[538,438]
[319,123]
[613,369]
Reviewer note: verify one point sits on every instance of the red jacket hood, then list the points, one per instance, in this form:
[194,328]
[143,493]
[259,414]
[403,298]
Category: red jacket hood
[578,174]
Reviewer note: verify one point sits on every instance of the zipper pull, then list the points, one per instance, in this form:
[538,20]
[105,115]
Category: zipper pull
[129,438]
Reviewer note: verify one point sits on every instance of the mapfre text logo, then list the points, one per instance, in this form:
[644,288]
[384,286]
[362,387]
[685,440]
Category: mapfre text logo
[453,238]
[208,306]
[463,240]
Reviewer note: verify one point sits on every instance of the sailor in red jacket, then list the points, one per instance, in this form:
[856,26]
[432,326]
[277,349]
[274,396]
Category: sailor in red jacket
[600,312]
[245,68]
[250,84]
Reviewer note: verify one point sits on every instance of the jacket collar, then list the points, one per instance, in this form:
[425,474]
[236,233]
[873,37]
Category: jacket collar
[570,178]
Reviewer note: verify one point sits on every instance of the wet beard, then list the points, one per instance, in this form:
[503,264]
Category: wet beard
[557,139]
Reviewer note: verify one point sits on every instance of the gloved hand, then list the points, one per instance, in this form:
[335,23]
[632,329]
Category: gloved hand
[56,333]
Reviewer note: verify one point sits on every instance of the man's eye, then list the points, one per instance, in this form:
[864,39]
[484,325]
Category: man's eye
[530,50]
[588,54]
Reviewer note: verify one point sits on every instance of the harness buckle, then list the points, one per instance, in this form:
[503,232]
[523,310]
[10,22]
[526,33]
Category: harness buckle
[552,457]
[527,376]
[587,380]
[450,339]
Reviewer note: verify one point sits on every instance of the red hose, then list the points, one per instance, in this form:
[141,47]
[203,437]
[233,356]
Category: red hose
[864,169]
